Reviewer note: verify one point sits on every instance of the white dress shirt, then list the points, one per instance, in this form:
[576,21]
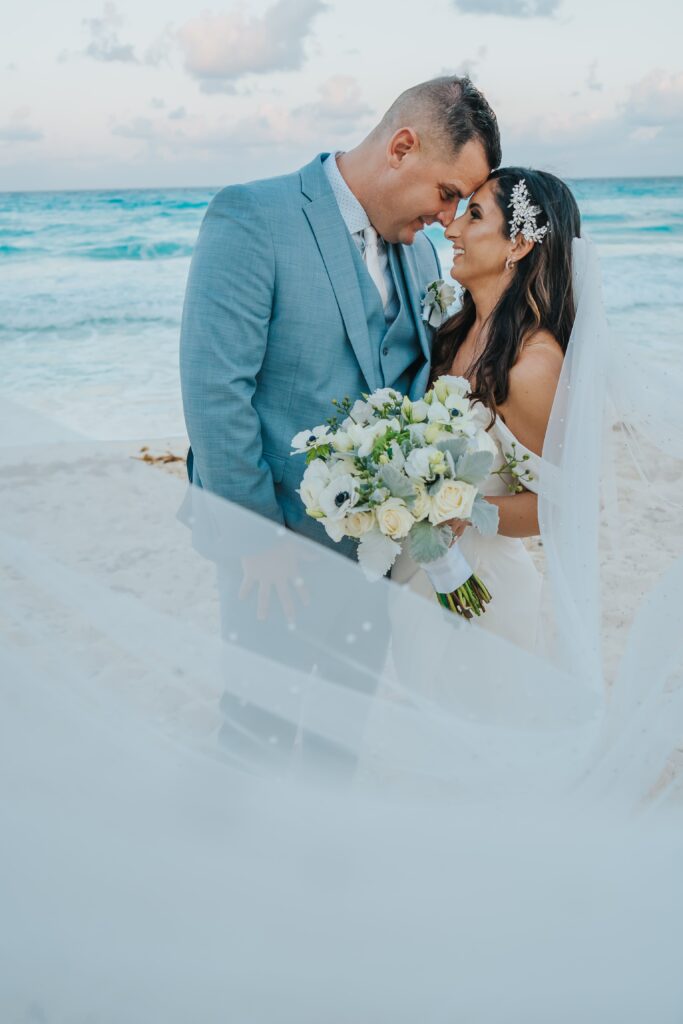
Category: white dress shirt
[357,220]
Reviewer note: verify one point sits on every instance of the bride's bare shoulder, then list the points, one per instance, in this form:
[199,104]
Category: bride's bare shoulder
[532,384]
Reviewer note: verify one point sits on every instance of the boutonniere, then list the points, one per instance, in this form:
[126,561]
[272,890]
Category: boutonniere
[437,299]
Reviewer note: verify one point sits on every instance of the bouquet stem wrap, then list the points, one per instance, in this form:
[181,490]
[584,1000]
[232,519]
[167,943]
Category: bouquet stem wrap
[457,588]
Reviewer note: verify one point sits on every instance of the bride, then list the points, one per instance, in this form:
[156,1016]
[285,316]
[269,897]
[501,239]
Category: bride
[512,255]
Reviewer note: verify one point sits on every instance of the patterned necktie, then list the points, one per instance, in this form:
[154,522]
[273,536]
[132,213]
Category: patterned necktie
[372,260]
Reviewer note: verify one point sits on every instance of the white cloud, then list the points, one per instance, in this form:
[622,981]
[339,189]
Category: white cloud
[510,8]
[18,129]
[468,65]
[645,130]
[656,101]
[337,117]
[339,112]
[159,51]
[104,42]
[221,48]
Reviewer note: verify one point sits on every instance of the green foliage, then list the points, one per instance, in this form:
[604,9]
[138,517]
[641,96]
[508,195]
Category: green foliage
[321,452]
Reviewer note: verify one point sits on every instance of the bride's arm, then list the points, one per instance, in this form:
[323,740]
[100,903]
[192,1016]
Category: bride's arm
[526,411]
[518,514]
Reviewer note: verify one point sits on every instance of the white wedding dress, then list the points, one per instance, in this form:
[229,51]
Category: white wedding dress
[502,823]
[502,563]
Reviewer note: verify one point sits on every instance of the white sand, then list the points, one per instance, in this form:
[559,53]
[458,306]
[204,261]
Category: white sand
[646,542]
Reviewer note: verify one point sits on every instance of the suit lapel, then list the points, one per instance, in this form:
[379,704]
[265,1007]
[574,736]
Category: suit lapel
[411,277]
[335,244]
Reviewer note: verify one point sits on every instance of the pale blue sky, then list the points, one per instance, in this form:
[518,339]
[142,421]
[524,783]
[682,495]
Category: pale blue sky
[97,94]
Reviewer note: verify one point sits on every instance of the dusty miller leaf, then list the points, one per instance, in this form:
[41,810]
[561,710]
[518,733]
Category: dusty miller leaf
[473,467]
[457,446]
[484,516]
[397,483]
[377,554]
[426,542]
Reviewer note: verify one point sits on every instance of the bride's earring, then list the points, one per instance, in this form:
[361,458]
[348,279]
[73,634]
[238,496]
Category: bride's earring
[509,263]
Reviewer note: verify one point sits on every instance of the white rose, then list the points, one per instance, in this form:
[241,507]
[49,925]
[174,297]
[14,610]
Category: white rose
[338,497]
[422,505]
[316,477]
[360,412]
[446,293]
[383,396]
[359,523]
[417,464]
[453,500]
[394,518]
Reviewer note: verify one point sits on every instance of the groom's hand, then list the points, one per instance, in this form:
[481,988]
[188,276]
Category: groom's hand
[275,569]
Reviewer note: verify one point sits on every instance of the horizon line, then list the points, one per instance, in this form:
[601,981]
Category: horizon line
[206,188]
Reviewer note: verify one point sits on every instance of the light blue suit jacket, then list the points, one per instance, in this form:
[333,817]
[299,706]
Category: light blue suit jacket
[274,327]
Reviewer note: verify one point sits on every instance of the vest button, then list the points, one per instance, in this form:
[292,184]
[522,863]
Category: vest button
[385,351]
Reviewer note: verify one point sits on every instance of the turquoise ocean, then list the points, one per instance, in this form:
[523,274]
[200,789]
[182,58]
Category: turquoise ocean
[92,283]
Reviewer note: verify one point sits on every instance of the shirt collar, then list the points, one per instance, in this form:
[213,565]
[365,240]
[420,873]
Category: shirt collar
[353,214]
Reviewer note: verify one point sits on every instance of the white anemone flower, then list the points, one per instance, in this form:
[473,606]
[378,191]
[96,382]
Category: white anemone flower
[316,477]
[306,440]
[438,413]
[338,497]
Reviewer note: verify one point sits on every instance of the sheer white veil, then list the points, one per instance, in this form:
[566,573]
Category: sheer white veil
[211,816]
[573,454]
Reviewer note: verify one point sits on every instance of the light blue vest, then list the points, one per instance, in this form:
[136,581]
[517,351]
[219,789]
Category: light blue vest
[394,341]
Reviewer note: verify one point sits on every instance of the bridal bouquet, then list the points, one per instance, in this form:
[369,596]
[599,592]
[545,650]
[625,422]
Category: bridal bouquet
[390,473]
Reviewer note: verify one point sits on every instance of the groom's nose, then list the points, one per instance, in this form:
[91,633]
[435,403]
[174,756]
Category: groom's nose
[447,213]
[453,228]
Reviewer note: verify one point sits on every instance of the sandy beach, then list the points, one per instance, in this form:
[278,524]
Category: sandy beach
[646,542]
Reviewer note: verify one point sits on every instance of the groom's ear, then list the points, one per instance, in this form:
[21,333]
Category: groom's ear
[402,143]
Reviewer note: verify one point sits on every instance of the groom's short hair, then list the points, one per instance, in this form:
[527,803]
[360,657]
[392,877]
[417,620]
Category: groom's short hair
[452,111]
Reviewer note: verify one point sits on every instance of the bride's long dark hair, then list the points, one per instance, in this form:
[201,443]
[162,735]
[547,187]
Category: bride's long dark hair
[539,295]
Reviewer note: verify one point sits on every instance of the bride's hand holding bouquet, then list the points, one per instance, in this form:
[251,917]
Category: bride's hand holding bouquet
[392,473]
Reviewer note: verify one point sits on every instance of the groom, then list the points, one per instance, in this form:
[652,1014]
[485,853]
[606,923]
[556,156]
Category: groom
[308,287]
[302,289]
